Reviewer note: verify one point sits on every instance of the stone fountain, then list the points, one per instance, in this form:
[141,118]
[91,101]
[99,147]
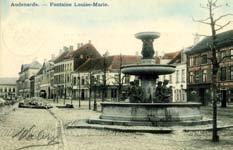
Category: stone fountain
[148,112]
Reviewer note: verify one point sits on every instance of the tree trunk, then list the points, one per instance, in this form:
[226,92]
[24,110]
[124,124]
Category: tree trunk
[89,102]
[215,137]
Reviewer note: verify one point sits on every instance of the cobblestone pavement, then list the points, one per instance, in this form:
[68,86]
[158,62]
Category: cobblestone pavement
[47,130]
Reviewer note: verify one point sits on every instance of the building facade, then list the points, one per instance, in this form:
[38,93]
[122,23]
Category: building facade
[66,63]
[44,81]
[23,82]
[8,88]
[99,73]
[177,80]
[199,69]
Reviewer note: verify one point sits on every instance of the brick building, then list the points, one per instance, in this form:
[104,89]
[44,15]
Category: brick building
[199,69]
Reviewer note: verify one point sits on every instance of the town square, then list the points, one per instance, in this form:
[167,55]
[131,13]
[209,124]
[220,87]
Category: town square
[132,75]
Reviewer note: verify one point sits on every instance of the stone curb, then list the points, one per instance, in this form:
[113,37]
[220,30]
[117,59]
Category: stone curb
[132,129]
[208,129]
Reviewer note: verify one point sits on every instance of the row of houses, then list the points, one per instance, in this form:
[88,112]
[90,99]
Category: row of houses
[69,75]
[74,72]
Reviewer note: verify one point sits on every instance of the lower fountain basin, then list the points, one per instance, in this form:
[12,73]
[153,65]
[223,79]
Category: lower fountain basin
[150,114]
[148,69]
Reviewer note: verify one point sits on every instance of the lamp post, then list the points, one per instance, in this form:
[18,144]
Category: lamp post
[95,103]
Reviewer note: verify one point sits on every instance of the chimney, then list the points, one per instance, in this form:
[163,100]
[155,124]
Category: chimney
[89,41]
[78,45]
[71,47]
[53,56]
[65,48]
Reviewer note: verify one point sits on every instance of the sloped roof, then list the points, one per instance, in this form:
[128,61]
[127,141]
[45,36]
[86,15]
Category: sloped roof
[110,62]
[176,59]
[61,57]
[32,65]
[46,65]
[86,50]
[223,39]
[170,55]
[8,81]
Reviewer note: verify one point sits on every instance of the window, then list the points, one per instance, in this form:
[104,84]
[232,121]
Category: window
[191,77]
[198,78]
[82,81]
[170,78]
[74,80]
[191,61]
[223,54]
[127,79]
[231,53]
[204,59]
[204,75]
[223,74]
[231,72]
[177,76]
[183,75]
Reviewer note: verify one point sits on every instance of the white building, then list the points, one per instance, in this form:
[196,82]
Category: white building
[178,79]
[8,88]
[94,69]
[26,72]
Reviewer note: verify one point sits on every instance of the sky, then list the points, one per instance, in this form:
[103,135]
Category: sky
[35,33]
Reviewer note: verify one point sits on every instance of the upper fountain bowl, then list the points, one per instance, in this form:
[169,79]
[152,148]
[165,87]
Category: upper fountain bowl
[147,69]
[147,35]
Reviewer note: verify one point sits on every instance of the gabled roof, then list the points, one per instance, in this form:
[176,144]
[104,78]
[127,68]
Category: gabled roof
[110,62]
[223,39]
[8,81]
[46,65]
[176,59]
[32,65]
[87,50]
[170,55]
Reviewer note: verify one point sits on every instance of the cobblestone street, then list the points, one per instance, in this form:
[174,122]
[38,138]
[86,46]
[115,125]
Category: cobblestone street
[45,129]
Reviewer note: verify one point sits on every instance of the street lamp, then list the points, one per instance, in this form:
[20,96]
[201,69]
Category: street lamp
[95,104]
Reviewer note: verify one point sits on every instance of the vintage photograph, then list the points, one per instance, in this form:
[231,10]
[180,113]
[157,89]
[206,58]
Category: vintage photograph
[116,74]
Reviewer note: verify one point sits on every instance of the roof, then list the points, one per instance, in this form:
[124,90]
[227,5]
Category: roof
[176,59]
[111,63]
[86,50]
[46,65]
[223,39]
[7,81]
[170,55]
[32,65]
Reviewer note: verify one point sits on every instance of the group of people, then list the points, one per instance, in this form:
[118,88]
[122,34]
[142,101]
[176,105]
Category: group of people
[163,94]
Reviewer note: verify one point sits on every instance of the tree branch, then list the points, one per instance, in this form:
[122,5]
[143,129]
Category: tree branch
[220,17]
[203,35]
[204,7]
[221,27]
[201,21]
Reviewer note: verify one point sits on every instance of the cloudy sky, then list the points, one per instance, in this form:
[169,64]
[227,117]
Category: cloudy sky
[29,34]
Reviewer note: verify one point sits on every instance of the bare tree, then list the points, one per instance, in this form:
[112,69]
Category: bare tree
[214,22]
[119,79]
[89,85]
[104,83]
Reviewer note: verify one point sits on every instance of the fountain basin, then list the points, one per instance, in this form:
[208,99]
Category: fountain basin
[147,69]
[147,35]
[150,114]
